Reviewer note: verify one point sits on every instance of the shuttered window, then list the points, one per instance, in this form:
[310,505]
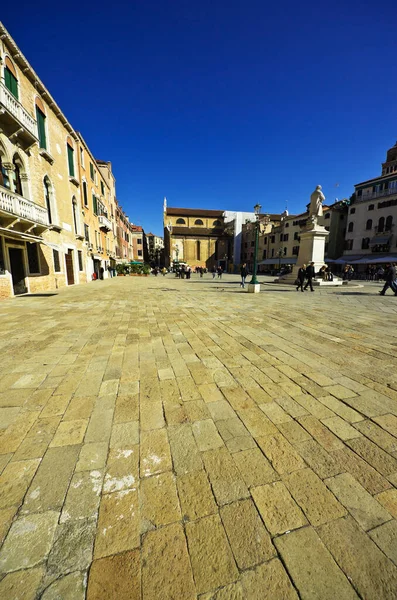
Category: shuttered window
[70,160]
[11,82]
[94,204]
[41,128]
[33,258]
[80,257]
[92,171]
[85,193]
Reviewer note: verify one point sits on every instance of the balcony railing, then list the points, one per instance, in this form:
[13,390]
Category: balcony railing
[14,107]
[104,222]
[23,208]
[379,194]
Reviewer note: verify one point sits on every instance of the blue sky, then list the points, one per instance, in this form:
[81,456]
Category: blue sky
[219,104]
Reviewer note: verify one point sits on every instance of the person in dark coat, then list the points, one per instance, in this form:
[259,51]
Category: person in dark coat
[301,278]
[390,276]
[243,273]
[310,273]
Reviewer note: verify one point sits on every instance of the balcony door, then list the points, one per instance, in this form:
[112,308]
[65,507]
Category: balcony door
[17,270]
[69,267]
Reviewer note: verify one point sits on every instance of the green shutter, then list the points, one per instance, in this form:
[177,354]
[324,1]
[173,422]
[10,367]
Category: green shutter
[92,171]
[11,82]
[70,161]
[41,128]
[94,204]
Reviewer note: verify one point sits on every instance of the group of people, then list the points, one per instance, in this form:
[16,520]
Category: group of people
[217,270]
[348,272]
[305,272]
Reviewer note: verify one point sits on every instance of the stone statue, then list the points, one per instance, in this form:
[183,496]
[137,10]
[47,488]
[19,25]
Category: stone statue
[316,204]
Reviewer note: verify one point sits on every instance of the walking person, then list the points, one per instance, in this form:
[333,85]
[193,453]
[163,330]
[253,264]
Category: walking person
[301,278]
[220,272]
[243,273]
[390,279]
[310,273]
[213,271]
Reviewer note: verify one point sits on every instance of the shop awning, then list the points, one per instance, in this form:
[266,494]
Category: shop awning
[19,235]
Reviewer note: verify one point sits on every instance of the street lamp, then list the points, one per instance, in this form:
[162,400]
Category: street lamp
[257,209]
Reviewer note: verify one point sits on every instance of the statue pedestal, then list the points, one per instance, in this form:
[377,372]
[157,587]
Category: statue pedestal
[311,249]
[254,288]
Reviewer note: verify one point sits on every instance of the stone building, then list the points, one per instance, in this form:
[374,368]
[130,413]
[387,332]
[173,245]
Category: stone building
[155,247]
[371,235]
[197,237]
[124,244]
[96,207]
[41,225]
[139,249]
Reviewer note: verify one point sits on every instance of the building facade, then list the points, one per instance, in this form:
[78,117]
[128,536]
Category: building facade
[371,234]
[155,249]
[197,237]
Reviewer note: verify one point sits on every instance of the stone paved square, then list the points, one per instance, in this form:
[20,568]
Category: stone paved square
[171,439]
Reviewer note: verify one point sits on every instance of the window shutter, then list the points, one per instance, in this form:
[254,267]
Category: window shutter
[11,82]
[41,128]
[94,204]
[70,161]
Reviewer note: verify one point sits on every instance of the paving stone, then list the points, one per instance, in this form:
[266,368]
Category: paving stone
[238,398]
[387,422]
[185,454]
[340,428]
[385,537]
[291,407]
[321,434]
[122,471]
[381,438]
[196,410]
[256,422]
[361,505]
[221,410]
[118,523]
[115,577]
[48,488]
[32,447]
[6,517]
[311,566]
[371,573]
[278,510]
[339,408]
[225,478]
[28,542]
[83,497]
[127,408]
[340,392]
[316,501]
[99,426]
[56,406]
[72,548]
[266,582]
[12,437]
[211,557]
[366,475]
[69,433]
[249,540]
[70,586]
[21,585]
[231,429]
[92,456]
[151,416]
[44,426]
[275,413]
[166,570]
[388,500]
[15,480]
[377,458]
[281,454]
[124,435]
[233,591]
[195,496]
[314,406]
[159,500]
[80,407]
[206,435]
[155,454]
[255,469]
[294,432]
[4,460]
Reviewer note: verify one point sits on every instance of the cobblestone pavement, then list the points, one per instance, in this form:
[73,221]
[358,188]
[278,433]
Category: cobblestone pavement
[167,439]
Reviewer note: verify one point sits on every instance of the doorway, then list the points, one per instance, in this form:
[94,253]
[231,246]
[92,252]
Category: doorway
[17,270]
[69,267]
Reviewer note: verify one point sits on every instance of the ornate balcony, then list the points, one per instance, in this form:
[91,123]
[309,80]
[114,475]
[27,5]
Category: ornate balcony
[104,223]
[15,121]
[16,209]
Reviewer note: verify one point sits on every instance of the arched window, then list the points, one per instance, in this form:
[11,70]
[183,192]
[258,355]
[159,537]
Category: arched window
[368,225]
[371,207]
[180,222]
[365,244]
[49,200]
[16,174]
[10,78]
[217,223]
[70,150]
[75,216]
[4,172]
[41,123]
[198,222]
[381,224]
[198,250]
[350,226]
[389,223]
